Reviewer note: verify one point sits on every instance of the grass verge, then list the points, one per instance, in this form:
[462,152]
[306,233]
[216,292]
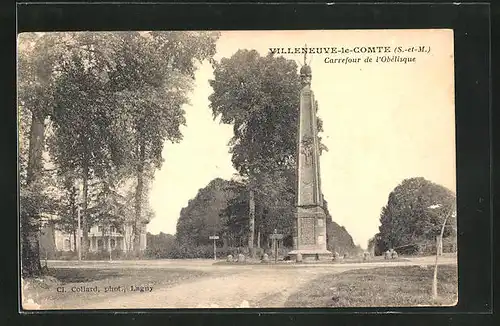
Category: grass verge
[379,287]
[45,292]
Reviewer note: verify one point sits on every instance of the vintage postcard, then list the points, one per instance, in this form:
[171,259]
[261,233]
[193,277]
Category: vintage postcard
[237,169]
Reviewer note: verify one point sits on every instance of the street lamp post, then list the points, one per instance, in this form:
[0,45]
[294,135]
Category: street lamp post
[439,244]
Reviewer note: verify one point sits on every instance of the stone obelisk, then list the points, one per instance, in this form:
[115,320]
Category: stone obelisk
[310,224]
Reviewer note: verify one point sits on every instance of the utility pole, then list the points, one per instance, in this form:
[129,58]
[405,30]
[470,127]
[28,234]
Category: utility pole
[276,237]
[440,244]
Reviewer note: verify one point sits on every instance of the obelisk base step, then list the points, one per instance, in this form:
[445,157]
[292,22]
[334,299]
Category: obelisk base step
[311,254]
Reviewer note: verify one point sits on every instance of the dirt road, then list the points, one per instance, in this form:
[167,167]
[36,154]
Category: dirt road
[233,287]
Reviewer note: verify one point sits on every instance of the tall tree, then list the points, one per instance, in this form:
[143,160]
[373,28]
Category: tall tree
[259,96]
[66,204]
[151,81]
[119,99]
[37,56]
[83,114]
[255,94]
[113,98]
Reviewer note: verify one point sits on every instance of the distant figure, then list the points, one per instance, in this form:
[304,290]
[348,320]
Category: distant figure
[387,254]
[265,258]
[336,256]
[229,258]
[241,258]
[366,255]
[394,254]
[346,255]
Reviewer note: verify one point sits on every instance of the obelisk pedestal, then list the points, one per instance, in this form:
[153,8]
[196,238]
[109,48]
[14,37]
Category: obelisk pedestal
[310,224]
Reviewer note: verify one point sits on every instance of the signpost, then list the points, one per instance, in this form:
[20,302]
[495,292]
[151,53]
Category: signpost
[275,237]
[214,237]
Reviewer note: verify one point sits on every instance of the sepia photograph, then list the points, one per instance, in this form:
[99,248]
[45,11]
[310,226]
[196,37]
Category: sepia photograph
[237,169]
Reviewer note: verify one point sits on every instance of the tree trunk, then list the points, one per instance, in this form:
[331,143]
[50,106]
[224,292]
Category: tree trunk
[35,163]
[30,253]
[439,245]
[138,196]
[84,216]
[109,244]
[251,222]
[74,214]
[131,241]
[30,248]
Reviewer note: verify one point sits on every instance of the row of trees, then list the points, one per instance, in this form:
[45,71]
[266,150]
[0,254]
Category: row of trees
[413,217]
[221,208]
[95,111]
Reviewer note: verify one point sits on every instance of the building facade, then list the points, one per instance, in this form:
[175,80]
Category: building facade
[100,239]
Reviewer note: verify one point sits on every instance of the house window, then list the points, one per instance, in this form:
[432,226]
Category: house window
[112,229]
[99,228]
[113,243]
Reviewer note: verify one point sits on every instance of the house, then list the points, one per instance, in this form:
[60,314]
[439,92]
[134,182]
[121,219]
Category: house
[100,239]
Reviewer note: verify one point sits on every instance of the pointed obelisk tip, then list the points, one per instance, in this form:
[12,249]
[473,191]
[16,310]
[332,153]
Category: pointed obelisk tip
[305,70]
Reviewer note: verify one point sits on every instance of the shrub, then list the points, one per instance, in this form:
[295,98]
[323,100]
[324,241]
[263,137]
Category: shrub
[100,255]
[429,248]
[412,249]
[155,253]
[187,251]
[64,255]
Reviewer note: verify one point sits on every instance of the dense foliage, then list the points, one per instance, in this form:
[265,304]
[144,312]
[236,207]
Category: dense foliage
[414,214]
[102,105]
[259,96]
[160,245]
[201,217]
[95,110]
[221,208]
[338,239]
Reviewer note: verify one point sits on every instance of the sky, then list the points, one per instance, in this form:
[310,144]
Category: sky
[383,122]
